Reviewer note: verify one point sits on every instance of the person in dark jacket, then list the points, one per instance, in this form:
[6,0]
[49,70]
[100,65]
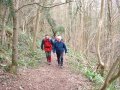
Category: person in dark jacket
[47,46]
[59,48]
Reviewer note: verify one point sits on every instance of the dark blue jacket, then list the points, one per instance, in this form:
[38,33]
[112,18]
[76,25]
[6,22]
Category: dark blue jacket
[59,47]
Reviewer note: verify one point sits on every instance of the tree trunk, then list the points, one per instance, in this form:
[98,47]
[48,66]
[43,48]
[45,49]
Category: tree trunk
[49,19]
[70,23]
[101,64]
[13,66]
[82,32]
[108,62]
[3,27]
[118,6]
[36,28]
[111,77]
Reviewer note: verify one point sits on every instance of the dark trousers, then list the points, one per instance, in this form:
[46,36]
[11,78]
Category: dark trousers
[60,58]
[48,56]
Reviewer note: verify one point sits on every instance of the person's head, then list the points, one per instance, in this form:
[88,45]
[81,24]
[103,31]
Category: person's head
[59,38]
[47,36]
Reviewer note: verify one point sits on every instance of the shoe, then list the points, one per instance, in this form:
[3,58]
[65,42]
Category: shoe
[61,67]
[49,63]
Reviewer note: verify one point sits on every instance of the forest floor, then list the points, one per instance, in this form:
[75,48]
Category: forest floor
[45,77]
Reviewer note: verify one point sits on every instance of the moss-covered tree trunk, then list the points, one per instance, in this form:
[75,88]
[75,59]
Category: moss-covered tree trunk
[13,66]
[49,19]
[3,36]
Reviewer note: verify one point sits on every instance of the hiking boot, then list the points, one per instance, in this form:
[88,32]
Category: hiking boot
[58,64]
[61,67]
[49,63]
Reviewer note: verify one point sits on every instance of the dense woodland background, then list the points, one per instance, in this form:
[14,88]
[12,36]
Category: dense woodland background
[90,28]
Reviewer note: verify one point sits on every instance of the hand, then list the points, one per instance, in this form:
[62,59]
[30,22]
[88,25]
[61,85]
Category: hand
[54,54]
[42,49]
[66,52]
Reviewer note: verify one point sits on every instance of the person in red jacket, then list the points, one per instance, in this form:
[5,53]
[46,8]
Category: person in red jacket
[47,46]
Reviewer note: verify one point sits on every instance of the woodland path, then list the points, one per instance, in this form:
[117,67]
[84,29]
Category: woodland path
[45,77]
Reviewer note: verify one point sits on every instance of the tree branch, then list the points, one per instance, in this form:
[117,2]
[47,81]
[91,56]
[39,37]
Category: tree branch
[52,6]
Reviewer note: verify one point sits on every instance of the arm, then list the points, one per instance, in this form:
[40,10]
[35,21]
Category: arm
[42,44]
[52,42]
[54,47]
[64,46]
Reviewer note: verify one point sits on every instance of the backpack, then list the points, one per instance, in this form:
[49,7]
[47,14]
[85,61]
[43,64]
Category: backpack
[47,43]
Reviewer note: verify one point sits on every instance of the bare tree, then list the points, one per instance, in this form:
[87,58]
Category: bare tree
[36,27]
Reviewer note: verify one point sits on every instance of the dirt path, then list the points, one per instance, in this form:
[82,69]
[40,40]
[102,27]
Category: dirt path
[46,77]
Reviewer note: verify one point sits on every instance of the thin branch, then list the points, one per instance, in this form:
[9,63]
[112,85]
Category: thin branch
[115,18]
[91,3]
[52,6]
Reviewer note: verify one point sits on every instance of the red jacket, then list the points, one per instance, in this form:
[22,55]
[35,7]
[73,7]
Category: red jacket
[46,45]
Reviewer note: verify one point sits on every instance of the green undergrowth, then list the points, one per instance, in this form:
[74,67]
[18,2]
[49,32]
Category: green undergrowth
[30,59]
[27,58]
[77,65]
